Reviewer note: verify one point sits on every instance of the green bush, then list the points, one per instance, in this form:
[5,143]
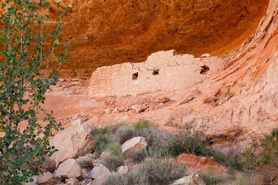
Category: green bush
[126,132]
[139,155]
[86,161]
[151,171]
[211,179]
[103,137]
[115,157]
[158,142]
[141,124]
[112,162]
[157,171]
[114,148]
[270,149]
[194,143]
[116,179]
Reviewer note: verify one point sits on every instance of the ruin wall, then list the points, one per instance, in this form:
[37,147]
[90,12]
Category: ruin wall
[162,71]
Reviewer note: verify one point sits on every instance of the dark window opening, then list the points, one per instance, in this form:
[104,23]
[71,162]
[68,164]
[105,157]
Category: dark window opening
[134,76]
[156,72]
[204,70]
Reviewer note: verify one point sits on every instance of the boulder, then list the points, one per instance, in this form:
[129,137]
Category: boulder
[47,179]
[99,172]
[86,182]
[49,164]
[193,179]
[69,169]
[72,181]
[132,145]
[72,142]
[123,169]
[96,182]
[85,172]
[203,164]
[103,155]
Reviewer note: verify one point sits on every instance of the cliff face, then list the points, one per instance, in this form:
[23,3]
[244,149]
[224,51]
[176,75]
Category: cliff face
[236,104]
[118,31]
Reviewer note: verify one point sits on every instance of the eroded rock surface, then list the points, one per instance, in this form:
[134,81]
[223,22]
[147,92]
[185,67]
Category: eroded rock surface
[117,31]
[73,142]
[237,104]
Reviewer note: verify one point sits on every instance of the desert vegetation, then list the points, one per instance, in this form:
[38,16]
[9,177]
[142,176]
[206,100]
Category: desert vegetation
[157,164]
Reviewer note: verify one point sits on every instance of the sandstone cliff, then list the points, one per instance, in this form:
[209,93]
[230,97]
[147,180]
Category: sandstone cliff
[116,31]
[237,104]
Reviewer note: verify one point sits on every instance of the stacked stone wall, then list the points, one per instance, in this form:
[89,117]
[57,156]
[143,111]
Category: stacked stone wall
[162,71]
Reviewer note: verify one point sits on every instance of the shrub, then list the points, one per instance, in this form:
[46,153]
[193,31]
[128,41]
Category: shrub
[139,155]
[151,171]
[115,157]
[210,178]
[247,179]
[112,162]
[116,179]
[141,124]
[126,132]
[103,137]
[270,149]
[86,161]
[193,143]
[158,171]
[158,142]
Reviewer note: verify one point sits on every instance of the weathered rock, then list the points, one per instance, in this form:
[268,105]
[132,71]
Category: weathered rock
[47,179]
[163,100]
[123,169]
[86,182]
[139,108]
[99,172]
[133,144]
[69,169]
[85,172]
[72,142]
[96,182]
[103,155]
[192,179]
[203,164]
[72,181]
[49,164]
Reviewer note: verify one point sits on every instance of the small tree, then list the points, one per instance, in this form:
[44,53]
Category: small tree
[29,57]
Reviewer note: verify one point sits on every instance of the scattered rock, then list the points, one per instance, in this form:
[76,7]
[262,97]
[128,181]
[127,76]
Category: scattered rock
[163,100]
[99,172]
[133,144]
[123,169]
[139,108]
[69,169]
[72,142]
[194,163]
[193,179]
[115,110]
[47,179]
[108,111]
[72,181]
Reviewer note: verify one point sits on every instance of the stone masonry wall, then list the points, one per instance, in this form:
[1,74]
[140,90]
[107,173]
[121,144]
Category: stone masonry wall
[162,71]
